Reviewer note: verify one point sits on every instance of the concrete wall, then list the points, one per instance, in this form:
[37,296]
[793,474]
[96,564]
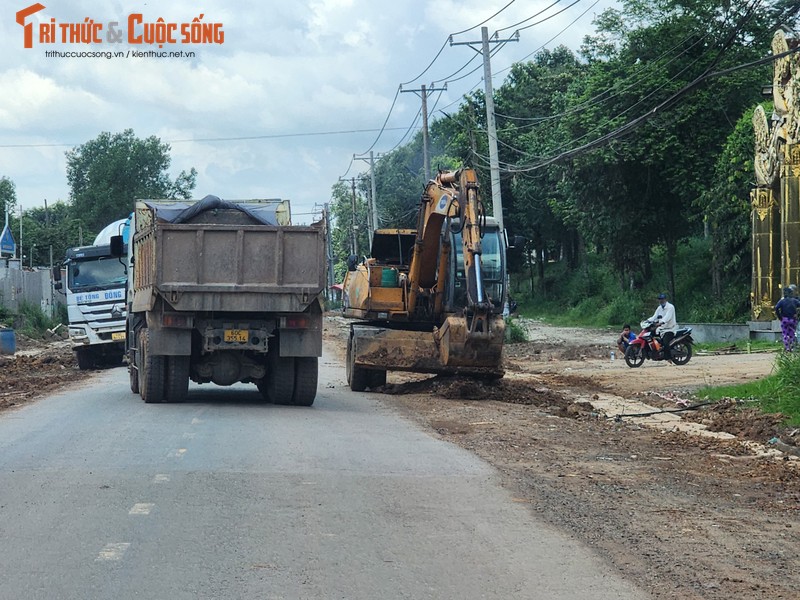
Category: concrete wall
[718,332]
[765,330]
[734,332]
[33,287]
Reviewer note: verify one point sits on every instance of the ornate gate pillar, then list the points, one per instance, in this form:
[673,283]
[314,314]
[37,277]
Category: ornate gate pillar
[766,253]
[790,216]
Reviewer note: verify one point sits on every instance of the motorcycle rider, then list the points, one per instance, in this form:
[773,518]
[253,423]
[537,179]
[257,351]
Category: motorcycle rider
[665,315]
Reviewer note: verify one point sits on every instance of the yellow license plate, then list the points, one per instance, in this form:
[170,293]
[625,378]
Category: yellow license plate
[237,335]
[118,336]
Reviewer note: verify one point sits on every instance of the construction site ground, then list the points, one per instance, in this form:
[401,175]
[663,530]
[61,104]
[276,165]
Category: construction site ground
[687,503]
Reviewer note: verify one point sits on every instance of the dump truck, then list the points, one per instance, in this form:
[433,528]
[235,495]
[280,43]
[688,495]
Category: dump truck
[223,291]
[95,293]
[430,299]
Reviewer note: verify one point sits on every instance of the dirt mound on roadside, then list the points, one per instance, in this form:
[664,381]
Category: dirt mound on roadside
[24,376]
[511,392]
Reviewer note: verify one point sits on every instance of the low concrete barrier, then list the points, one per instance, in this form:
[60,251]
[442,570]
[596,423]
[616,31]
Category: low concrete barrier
[718,332]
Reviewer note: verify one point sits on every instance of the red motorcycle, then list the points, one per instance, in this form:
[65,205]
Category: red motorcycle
[649,346]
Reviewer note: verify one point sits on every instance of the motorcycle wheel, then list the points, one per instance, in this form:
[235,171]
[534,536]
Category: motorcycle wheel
[681,353]
[634,356]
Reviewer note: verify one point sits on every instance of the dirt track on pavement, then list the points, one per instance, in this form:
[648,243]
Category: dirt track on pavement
[688,504]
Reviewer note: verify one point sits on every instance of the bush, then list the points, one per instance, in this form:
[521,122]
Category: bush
[786,386]
[514,333]
[33,322]
[6,317]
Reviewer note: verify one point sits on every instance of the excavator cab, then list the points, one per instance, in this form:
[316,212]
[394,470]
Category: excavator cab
[493,267]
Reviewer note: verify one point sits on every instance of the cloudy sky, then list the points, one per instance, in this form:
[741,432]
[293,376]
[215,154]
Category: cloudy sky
[277,109]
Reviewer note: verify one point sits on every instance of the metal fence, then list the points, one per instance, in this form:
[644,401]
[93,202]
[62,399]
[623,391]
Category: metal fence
[34,287]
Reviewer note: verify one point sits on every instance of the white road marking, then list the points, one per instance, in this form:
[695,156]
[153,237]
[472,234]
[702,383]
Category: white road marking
[189,436]
[180,452]
[141,508]
[160,478]
[112,551]
[196,421]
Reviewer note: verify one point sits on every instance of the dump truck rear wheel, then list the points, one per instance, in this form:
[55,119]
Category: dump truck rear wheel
[151,382]
[177,378]
[280,382]
[305,380]
[85,358]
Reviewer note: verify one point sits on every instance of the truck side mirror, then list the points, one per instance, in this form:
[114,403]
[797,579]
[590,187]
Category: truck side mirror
[57,274]
[117,246]
[352,261]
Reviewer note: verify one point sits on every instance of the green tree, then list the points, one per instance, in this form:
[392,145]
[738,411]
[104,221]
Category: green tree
[347,222]
[647,182]
[726,204]
[8,196]
[49,228]
[108,173]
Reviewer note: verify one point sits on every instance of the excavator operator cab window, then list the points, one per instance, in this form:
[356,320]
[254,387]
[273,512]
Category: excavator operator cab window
[493,267]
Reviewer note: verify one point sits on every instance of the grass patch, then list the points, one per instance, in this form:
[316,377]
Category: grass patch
[32,322]
[740,346]
[777,393]
[514,333]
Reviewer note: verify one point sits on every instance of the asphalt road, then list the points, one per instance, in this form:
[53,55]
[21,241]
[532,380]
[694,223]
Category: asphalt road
[105,497]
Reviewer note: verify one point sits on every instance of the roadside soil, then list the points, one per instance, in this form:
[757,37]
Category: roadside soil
[37,368]
[689,504]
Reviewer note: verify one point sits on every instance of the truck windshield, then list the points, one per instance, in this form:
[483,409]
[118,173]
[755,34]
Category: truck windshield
[96,274]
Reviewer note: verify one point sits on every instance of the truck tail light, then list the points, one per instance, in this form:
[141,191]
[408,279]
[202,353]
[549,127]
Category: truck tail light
[294,322]
[176,320]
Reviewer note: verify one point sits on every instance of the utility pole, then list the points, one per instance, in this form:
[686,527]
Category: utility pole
[423,93]
[354,227]
[326,211]
[491,128]
[373,199]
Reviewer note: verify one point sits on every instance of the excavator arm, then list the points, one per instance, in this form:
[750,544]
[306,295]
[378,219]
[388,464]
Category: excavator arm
[470,336]
[442,314]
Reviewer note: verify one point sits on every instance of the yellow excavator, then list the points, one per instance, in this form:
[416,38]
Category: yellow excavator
[430,300]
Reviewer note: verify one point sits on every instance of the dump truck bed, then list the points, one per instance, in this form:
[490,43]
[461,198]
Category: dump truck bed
[226,267]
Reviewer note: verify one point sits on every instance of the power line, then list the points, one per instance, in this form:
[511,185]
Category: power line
[225,139]
[578,18]
[383,127]
[450,39]
[529,18]
[604,95]
[624,129]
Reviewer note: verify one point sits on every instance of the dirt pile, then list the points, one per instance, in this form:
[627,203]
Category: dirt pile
[37,369]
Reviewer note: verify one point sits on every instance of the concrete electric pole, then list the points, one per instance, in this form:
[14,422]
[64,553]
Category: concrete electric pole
[491,128]
[423,93]
[373,199]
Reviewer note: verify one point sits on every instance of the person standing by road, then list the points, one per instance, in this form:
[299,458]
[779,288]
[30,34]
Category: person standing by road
[786,311]
[665,314]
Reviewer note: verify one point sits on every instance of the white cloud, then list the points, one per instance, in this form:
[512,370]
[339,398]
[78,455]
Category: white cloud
[284,68]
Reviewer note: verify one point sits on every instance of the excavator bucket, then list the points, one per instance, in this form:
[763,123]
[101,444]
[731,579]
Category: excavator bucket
[475,341]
